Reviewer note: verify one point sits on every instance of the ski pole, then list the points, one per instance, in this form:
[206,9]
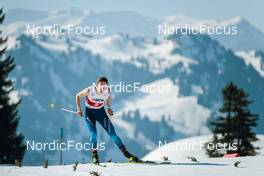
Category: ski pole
[67,110]
[53,106]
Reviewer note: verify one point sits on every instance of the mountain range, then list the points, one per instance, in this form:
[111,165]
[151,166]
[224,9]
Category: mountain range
[194,67]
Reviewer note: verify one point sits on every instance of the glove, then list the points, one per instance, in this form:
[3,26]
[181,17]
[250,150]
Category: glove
[110,111]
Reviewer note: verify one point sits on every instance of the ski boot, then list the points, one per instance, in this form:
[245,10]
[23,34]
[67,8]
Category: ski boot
[133,159]
[95,158]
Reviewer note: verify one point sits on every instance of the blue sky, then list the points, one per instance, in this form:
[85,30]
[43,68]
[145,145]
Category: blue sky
[252,10]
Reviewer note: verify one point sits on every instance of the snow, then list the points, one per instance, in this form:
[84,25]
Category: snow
[218,167]
[117,22]
[180,149]
[123,48]
[69,10]
[24,81]
[181,20]
[186,114]
[53,45]
[197,89]
[192,146]
[250,58]
[238,34]
[158,54]
[14,97]
[24,92]
[180,164]
[249,166]
[14,28]
[126,126]
[12,43]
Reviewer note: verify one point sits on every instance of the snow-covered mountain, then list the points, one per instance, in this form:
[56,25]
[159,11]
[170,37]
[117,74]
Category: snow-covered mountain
[52,69]
[177,110]
[133,24]
[248,37]
[253,58]
[115,22]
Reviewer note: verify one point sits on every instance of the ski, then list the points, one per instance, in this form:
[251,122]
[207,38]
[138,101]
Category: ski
[153,162]
[147,162]
[100,165]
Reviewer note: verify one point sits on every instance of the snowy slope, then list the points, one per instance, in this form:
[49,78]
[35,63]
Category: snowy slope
[186,115]
[248,37]
[253,58]
[180,164]
[206,167]
[153,54]
[158,54]
[192,146]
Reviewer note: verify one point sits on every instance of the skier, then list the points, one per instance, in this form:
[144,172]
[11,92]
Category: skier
[96,96]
